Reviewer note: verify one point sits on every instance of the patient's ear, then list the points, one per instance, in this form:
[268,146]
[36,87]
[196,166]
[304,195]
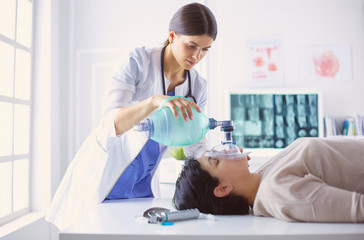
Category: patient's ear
[222,190]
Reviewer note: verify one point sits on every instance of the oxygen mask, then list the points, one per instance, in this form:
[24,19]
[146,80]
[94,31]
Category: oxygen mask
[227,149]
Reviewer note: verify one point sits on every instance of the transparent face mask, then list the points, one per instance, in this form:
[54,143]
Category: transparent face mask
[227,150]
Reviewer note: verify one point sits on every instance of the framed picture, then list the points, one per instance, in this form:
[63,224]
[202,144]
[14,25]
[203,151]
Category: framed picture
[275,118]
[265,63]
[325,62]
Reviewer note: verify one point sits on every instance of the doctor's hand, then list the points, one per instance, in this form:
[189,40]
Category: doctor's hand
[184,105]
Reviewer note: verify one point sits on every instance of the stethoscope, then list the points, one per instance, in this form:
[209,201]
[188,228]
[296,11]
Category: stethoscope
[189,94]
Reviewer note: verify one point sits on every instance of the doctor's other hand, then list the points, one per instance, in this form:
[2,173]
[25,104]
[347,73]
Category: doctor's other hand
[183,104]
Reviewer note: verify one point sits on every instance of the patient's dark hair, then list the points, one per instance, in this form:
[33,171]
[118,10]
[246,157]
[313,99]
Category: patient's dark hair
[195,189]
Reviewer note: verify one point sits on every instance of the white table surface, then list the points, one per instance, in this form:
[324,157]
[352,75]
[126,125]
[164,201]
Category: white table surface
[122,219]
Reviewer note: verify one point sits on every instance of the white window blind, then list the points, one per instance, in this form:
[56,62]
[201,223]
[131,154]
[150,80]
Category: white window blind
[15,106]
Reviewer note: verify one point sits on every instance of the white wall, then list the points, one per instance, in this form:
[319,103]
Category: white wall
[95,34]
[99,32]
[35,228]
[294,23]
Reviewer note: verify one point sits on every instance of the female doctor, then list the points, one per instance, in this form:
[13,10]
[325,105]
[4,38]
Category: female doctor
[115,162]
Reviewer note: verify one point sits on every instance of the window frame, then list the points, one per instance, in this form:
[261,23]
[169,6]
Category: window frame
[14,100]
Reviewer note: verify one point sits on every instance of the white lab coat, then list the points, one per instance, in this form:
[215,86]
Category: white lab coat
[104,156]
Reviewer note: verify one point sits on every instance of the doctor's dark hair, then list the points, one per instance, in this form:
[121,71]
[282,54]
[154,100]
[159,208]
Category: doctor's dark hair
[195,189]
[192,20]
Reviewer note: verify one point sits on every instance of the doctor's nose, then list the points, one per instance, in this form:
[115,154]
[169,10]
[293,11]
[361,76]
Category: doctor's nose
[198,54]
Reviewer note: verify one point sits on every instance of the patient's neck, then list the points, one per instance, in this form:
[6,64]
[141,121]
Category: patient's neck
[254,186]
[249,187]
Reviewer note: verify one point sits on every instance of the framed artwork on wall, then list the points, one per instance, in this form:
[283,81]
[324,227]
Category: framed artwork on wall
[325,62]
[265,62]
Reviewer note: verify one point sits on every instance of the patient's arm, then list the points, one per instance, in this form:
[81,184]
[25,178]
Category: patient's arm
[319,202]
[335,204]
[314,180]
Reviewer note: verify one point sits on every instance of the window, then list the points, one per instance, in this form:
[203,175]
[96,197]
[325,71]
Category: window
[15,106]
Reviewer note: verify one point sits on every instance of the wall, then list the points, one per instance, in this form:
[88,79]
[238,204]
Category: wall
[100,33]
[27,228]
[95,34]
[294,23]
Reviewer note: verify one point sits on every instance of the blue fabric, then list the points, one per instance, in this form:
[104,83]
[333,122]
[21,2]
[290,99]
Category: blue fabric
[172,93]
[135,182]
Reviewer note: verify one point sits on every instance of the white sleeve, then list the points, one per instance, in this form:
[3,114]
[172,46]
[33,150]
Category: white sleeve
[123,82]
[310,199]
[338,205]
[121,90]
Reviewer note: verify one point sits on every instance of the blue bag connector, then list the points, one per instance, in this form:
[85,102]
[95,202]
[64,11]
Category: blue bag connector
[163,127]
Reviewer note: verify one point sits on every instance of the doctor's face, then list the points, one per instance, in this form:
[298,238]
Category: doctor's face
[189,50]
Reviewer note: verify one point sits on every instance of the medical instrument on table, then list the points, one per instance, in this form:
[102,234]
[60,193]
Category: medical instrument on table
[158,215]
[189,94]
[163,127]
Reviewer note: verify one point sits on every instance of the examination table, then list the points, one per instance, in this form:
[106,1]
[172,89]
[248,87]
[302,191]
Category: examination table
[122,219]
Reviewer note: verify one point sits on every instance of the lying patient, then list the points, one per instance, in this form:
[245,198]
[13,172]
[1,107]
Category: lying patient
[312,180]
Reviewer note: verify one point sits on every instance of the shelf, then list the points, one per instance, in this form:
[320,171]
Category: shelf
[346,136]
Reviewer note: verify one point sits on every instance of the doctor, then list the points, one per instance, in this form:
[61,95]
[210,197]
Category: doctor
[115,162]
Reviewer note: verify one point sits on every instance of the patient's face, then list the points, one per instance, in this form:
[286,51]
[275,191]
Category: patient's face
[225,169]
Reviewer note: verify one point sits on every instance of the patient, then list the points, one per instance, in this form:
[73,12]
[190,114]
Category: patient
[312,180]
